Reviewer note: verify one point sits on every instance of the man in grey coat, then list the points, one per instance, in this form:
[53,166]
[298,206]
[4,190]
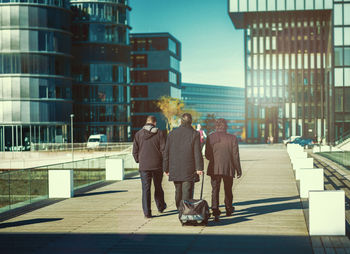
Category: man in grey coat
[224,164]
[183,159]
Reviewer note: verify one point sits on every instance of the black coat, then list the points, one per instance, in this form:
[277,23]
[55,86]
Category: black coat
[182,155]
[222,152]
[148,148]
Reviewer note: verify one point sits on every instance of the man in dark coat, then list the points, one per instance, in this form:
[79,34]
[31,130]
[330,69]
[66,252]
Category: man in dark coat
[148,147]
[183,158]
[224,163]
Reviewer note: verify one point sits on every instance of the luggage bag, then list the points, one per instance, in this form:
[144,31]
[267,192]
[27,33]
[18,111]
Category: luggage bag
[194,211]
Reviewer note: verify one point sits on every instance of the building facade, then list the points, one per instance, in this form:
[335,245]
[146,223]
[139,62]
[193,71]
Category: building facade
[155,72]
[35,73]
[101,86]
[297,59]
[221,101]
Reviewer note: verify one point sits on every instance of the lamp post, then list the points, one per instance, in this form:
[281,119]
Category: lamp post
[72,136]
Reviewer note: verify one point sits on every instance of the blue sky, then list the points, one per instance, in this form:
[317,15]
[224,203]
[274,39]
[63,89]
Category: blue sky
[212,49]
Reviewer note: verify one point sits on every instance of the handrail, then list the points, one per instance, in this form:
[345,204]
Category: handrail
[344,137]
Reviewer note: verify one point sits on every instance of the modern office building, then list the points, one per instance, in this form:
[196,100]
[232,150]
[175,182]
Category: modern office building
[101,51]
[155,72]
[222,101]
[35,72]
[297,67]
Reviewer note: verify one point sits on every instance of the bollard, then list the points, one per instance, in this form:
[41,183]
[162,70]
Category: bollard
[298,155]
[61,183]
[303,163]
[327,213]
[310,179]
[114,169]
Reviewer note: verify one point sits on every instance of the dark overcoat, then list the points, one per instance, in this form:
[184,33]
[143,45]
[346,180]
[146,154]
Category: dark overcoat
[148,148]
[182,154]
[223,154]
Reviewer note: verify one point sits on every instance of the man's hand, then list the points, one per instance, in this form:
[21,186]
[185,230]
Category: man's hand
[239,175]
[199,172]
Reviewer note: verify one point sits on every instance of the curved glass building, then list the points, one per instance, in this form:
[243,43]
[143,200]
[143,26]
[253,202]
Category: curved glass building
[35,78]
[101,88]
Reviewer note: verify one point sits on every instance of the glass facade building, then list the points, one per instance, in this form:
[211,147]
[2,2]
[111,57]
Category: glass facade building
[155,72]
[101,86]
[297,67]
[35,73]
[222,101]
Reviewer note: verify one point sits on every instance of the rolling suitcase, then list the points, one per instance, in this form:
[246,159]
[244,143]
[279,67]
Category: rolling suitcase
[194,211]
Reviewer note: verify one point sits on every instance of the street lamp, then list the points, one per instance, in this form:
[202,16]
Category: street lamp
[72,136]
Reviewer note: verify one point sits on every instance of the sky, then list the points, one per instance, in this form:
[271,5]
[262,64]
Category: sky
[212,49]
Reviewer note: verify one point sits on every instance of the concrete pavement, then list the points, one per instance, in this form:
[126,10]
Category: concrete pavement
[268,218]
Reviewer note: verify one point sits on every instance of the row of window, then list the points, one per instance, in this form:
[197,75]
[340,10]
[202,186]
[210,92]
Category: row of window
[289,61]
[278,5]
[100,12]
[32,40]
[60,3]
[342,103]
[101,113]
[32,88]
[35,64]
[139,61]
[100,33]
[101,93]
[155,76]
[238,106]
[144,106]
[105,1]
[154,43]
[99,73]
[34,111]
[34,16]
[214,90]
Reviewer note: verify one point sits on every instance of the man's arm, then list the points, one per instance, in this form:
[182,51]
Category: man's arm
[135,149]
[236,159]
[198,157]
[208,150]
[166,157]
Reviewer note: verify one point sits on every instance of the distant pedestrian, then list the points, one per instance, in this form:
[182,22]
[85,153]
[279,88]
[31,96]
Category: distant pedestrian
[224,163]
[148,147]
[202,135]
[183,158]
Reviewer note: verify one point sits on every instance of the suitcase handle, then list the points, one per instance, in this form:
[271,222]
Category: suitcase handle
[202,185]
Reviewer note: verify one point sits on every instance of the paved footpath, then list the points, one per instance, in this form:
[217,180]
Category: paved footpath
[268,218]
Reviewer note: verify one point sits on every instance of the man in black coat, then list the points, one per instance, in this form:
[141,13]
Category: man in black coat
[224,163]
[183,158]
[148,147]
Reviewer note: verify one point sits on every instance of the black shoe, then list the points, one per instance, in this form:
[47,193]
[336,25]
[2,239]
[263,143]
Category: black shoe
[148,216]
[229,213]
[162,210]
[216,218]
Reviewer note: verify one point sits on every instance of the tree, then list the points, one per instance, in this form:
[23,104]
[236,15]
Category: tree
[209,123]
[172,109]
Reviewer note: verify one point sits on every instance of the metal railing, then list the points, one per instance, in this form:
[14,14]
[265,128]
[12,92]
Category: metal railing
[57,147]
[342,158]
[344,137]
[25,186]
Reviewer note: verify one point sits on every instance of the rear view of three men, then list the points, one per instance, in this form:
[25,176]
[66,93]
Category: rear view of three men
[179,156]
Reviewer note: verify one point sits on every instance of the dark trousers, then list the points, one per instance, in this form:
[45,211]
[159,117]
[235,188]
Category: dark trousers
[183,191]
[146,179]
[215,184]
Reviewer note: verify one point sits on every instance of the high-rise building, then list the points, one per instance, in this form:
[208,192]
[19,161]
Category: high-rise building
[221,101]
[297,67]
[155,72]
[35,72]
[101,59]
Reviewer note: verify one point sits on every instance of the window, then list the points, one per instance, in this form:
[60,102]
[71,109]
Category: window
[271,5]
[338,36]
[252,5]
[233,5]
[281,6]
[290,5]
[347,56]
[243,6]
[262,5]
[347,78]
[338,14]
[338,77]
[347,11]
[338,56]
[346,35]
[42,91]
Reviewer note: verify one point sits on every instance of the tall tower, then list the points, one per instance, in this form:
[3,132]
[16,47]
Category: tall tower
[297,58]
[35,73]
[101,57]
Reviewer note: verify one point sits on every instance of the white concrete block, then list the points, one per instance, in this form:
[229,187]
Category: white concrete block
[316,149]
[114,169]
[61,183]
[303,163]
[298,155]
[294,147]
[310,179]
[327,212]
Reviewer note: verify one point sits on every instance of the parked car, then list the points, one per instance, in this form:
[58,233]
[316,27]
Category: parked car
[304,142]
[96,141]
[290,139]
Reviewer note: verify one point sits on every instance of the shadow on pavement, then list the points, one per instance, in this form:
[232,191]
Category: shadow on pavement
[27,222]
[152,243]
[266,200]
[98,193]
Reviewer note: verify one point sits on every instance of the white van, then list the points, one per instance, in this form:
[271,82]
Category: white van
[96,141]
